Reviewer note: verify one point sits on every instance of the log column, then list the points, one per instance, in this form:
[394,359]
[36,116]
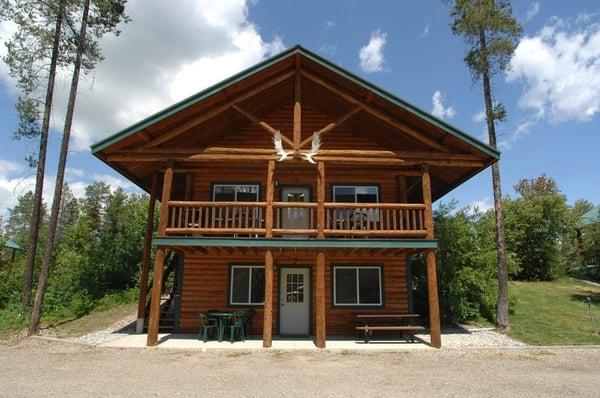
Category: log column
[320,200]
[139,327]
[269,199]
[159,260]
[320,300]
[432,286]
[268,309]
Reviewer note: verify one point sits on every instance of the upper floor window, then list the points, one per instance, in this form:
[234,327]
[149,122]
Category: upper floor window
[356,193]
[235,192]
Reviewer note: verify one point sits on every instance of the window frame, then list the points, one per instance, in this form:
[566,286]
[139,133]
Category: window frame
[376,186]
[357,267]
[236,184]
[230,301]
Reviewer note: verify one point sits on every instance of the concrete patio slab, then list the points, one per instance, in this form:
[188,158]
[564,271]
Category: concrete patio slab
[191,341]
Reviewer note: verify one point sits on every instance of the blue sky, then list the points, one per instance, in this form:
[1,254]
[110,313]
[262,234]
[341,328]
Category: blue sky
[552,93]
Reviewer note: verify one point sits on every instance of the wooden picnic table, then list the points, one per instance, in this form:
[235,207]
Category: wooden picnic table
[386,321]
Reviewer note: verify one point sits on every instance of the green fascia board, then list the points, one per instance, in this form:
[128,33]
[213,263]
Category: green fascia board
[273,60]
[296,243]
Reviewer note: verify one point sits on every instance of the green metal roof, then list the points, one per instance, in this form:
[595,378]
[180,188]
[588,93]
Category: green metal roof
[12,245]
[273,60]
[591,216]
[297,243]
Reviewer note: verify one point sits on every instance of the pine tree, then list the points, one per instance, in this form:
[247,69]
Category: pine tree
[491,34]
[97,19]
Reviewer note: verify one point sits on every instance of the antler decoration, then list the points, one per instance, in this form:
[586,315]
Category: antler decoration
[279,147]
[283,154]
[314,148]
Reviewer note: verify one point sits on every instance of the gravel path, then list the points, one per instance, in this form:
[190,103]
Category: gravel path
[33,368]
[124,327]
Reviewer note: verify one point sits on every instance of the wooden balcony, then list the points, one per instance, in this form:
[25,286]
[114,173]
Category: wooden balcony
[286,219]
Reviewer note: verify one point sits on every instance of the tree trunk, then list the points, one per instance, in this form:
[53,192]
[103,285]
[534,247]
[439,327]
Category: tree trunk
[34,224]
[60,176]
[502,308]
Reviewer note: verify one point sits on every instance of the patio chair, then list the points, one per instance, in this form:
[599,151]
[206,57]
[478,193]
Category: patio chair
[207,324]
[237,326]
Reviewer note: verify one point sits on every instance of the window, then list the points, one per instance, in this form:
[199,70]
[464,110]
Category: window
[247,285]
[235,193]
[357,285]
[356,194]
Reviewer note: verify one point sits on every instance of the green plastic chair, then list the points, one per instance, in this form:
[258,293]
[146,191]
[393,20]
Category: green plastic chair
[249,313]
[238,321]
[207,324]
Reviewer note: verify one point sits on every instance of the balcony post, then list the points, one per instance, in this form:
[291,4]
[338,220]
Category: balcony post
[268,309]
[139,327]
[159,260]
[269,199]
[432,287]
[321,200]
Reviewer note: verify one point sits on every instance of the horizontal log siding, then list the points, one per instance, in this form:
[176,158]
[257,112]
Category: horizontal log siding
[206,278]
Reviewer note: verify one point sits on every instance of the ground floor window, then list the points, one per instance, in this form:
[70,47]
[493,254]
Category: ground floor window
[247,285]
[357,286]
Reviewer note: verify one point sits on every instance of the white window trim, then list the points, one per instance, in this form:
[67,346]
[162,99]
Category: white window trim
[248,302]
[358,303]
[236,190]
[355,188]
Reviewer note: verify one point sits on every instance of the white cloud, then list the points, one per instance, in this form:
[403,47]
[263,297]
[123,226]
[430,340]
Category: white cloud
[560,70]
[483,205]
[328,48]
[74,172]
[114,182]
[523,128]
[425,31]
[439,110]
[371,55]
[329,24]
[478,117]
[163,55]
[532,11]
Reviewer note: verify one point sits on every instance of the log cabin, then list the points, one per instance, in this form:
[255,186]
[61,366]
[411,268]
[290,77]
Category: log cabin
[295,188]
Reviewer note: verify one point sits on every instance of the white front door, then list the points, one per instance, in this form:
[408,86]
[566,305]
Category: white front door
[294,301]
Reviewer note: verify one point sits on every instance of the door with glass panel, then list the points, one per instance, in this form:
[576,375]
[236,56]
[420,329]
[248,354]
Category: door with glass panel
[294,217]
[294,301]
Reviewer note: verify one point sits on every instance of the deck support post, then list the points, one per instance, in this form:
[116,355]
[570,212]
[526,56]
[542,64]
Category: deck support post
[139,327]
[320,300]
[159,261]
[268,309]
[432,286]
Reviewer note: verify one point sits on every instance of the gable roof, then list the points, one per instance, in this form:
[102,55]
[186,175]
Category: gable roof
[171,110]
[592,216]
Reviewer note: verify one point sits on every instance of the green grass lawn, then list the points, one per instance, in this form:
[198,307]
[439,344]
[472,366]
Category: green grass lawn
[554,313]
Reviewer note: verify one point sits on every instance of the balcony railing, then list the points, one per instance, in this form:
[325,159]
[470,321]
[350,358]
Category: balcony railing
[392,220]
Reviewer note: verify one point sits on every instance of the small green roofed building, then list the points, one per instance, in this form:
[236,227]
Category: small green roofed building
[9,250]
[591,216]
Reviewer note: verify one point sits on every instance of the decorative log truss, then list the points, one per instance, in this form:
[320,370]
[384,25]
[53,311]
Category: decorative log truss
[437,155]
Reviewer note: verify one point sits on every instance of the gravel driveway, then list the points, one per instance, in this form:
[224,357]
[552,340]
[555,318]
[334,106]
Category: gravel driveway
[35,367]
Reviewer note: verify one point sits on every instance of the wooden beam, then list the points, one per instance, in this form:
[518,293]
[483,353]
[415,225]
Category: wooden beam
[193,122]
[146,256]
[159,262]
[321,200]
[268,308]
[297,130]
[320,300]
[269,199]
[144,136]
[333,125]
[265,126]
[432,287]
[376,113]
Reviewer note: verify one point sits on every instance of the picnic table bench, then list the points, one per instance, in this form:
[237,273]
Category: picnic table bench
[368,323]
